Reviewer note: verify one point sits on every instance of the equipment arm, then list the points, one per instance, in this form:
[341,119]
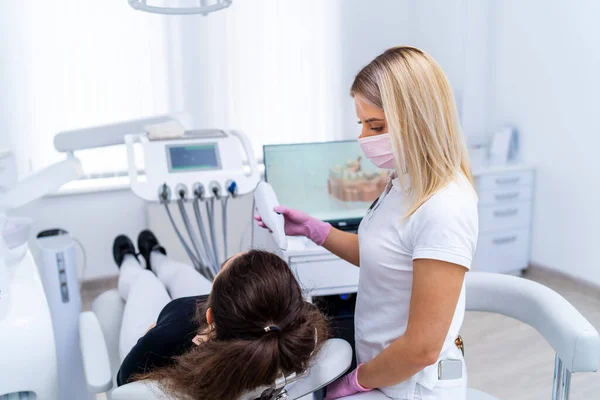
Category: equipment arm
[41,183]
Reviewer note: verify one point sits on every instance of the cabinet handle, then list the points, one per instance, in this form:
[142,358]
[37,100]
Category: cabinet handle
[505,240]
[507,196]
[504,181]
[506,213]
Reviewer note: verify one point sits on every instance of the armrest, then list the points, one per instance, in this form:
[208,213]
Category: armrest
[573,338]
[333,361]
[108,308]
[96,364]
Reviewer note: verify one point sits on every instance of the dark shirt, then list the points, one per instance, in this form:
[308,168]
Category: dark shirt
[172,336]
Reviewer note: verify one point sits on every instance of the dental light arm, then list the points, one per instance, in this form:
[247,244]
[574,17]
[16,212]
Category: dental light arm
[111,134]
[53,177]
[41,183]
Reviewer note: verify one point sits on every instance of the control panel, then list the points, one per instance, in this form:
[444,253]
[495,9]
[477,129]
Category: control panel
[201,164]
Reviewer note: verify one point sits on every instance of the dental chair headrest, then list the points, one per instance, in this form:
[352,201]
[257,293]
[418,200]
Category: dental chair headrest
[152,390]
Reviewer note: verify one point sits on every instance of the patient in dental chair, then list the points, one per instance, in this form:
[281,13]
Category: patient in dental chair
[253,325]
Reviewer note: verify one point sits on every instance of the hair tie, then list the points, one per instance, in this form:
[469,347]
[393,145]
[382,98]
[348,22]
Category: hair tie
[271,328]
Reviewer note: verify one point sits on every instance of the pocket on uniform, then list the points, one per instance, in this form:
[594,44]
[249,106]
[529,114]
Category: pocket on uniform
[450,389]
[449,383]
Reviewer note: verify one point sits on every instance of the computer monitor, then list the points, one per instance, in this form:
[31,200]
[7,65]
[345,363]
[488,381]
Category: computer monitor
[332,181]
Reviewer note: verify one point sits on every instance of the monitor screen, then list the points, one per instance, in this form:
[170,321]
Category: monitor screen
[332,181]
[193,157]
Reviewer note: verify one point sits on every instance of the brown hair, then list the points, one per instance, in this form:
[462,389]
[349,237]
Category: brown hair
[257,289]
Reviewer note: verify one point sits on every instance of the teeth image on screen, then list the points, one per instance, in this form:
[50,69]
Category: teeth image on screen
[331,180]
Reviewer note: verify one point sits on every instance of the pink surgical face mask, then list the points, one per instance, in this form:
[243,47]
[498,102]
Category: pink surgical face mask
[378,149]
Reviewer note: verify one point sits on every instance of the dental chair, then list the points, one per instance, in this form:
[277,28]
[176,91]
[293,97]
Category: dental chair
[99,340]
[573,338]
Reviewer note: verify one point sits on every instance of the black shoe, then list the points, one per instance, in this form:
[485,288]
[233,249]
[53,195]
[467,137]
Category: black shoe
[147,243]
[122,246]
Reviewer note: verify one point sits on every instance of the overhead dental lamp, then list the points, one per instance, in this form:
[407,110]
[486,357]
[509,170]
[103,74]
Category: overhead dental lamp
[180,7]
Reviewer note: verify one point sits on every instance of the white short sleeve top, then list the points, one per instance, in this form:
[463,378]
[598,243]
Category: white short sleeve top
[444,228]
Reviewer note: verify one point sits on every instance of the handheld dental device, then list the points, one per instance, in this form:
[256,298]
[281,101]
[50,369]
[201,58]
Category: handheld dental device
[266,201]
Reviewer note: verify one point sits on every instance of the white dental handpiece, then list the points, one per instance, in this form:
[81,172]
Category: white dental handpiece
[266,200]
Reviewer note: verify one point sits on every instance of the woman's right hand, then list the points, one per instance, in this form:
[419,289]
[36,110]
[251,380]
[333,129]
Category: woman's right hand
[298,223]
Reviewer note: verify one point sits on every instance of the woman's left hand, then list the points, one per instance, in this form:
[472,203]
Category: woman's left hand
[345,386]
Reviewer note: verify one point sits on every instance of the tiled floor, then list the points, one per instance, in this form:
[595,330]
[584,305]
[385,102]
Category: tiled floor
[506,358]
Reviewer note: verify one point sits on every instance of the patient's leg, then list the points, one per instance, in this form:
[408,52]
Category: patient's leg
[144,295]
[181,280]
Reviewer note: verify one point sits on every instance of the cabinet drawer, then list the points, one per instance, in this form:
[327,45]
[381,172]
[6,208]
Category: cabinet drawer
[504,217]
[502,252]
[505,180]
[501,197]
[324,273]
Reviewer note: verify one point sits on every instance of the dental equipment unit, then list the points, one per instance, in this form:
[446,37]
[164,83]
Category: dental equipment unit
[188,166]
[38,327]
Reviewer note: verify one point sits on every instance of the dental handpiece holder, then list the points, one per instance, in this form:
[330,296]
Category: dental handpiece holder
[210,158]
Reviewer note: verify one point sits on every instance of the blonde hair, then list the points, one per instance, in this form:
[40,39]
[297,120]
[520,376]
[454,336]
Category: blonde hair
[422,120]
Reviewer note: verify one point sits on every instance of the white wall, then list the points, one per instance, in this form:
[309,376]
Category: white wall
[267,67]
[544,64]
[453,32]
[367,29]
[13,102]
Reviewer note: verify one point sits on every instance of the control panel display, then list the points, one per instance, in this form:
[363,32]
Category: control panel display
[183,158]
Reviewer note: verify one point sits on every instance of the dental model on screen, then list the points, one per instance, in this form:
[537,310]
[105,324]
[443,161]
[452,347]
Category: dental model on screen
[350,183]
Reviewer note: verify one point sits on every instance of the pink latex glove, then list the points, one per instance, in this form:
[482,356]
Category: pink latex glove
[345,386]
[298,223]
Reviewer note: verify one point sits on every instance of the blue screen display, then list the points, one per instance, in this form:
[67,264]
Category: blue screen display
[193,157]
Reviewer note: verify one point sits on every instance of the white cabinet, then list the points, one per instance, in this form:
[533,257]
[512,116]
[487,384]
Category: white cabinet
[320,272]
[505,208]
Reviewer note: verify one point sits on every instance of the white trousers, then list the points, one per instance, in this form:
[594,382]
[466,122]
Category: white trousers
[147,292]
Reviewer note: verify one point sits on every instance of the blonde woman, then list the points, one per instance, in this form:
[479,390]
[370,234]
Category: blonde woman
[416,242]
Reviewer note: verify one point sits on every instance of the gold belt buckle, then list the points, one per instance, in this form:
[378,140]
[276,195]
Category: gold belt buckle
[459,343]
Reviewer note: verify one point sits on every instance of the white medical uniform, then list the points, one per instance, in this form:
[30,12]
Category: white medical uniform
[444,228]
